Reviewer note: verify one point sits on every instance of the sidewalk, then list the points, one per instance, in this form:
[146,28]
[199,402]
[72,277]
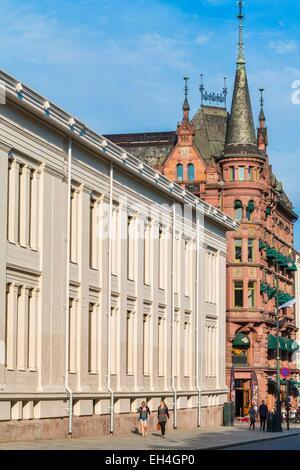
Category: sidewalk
[207,438]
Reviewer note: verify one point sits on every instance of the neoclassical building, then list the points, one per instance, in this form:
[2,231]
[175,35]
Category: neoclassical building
[222,159]
[112,283]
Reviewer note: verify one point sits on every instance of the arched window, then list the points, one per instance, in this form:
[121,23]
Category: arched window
[191,172]
[179,172]
[250,210]
[238,210]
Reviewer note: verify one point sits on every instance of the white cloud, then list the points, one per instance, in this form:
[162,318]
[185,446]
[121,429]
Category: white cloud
[202,39]
[283,47]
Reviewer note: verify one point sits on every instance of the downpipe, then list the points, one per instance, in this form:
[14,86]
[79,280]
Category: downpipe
[173,317]
[197,319]
[111,174]
[67,301]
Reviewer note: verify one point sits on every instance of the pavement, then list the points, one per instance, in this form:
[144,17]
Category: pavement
[201,439]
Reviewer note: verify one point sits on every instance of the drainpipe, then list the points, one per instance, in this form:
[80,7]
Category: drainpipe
[67,302]
[197,311]
[173,318]
[111,174]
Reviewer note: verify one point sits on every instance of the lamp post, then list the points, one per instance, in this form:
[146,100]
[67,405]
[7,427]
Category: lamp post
[277,423]
[278,419]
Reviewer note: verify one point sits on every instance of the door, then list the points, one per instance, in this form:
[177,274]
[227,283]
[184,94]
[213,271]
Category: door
[246,403]
[239,402]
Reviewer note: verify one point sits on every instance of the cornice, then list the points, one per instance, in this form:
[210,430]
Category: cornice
[51,114]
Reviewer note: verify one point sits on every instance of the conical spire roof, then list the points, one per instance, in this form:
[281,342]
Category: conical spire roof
[241,136]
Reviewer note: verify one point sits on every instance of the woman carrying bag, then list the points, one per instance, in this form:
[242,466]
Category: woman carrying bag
[162,416]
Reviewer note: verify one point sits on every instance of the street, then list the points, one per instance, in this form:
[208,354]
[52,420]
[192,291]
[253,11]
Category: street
[236,438]
[282,443]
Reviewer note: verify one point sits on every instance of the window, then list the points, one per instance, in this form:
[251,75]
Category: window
[129,342]
[191,172]
[74,226]
[177,344]
[251,294]
[177,263]
[114,341]
[147,254]
[130,248]
[161,346]
[32,329]
[238,294]
[146,344]
[72,335]
[93,234]
[250,210]
[92,339]
[238,210]
[187,271]
[251,173]
[115,242]
[251,251]
[241,173]
[232,173]
[238,250]
[211,276]
[211,349]
[187,346]
[180,172]
[161,259]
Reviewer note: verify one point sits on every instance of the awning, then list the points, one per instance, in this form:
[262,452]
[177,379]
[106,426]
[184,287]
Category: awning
[271,253]
[283,261]
[292,346]
[263,287]
[285,344]
[292,268]
[262,245]
[272,343]
[238,205]
[241,341]
[251,206]
[271,291]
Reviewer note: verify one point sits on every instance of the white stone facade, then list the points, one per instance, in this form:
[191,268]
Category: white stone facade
[111,292]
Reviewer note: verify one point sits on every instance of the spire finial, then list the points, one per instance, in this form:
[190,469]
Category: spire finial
[241,55]
[261,100]
[186,90]
[186,106]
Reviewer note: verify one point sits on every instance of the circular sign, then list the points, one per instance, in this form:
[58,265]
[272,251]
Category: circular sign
[285,372]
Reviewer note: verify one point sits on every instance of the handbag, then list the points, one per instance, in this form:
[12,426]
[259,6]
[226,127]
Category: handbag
[158,426]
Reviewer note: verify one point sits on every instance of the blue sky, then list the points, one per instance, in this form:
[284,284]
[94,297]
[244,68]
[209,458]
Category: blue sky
[118,64]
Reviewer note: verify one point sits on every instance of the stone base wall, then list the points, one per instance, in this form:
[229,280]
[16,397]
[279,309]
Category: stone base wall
[88,426]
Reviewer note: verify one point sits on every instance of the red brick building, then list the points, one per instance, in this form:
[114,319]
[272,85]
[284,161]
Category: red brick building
[219,156]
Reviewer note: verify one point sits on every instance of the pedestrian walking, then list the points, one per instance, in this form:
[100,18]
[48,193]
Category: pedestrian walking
[144,413]
[163,416]
[252,416]
[263,414]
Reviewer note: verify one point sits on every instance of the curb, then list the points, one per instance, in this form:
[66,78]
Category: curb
[237,444]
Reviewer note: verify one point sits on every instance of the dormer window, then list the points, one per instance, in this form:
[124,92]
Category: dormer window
[179,172]
[191,172]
